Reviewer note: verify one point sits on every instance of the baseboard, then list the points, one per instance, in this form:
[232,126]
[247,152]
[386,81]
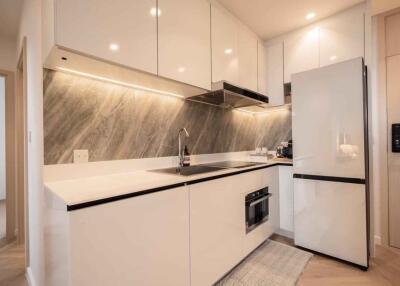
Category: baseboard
[30,277]
[377,240]
[285,233]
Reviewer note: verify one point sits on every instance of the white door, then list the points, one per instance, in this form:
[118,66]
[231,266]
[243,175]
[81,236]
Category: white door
[301,51]
[120,31]
[393,103]
[247,58]
[328,120]
[224,41]
[342,36]
[184,41]
[2,144]
[274,62]
[330,217]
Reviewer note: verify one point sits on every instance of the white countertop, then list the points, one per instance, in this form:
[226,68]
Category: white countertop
[93,188]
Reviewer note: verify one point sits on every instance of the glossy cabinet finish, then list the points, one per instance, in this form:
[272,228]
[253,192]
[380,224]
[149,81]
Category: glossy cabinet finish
[218,239]
[138,241]
[327,227]
[301,51]
[274,74]
[341,37]
[262,72]
[339,150]
[334,39]
[267,177]
[217,226]
[247,58]
[286,198]
[224,41]
[120,31]
[184,41]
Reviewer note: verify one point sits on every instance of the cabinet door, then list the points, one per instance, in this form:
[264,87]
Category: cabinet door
[274,63]
[184,52]
[265,178]
[217,227]
[247,58]
[120,31]
[137,241]
[262,68]
[224,40]
[286,197]
[301,51]
[342,36]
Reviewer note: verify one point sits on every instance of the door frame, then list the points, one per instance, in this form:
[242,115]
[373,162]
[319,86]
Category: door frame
[9,155]
[21,146]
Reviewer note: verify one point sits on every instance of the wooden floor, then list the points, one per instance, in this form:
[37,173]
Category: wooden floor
[384,270]
[321,271]
[12,263]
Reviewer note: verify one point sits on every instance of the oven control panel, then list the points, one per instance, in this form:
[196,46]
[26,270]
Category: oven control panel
[396,138]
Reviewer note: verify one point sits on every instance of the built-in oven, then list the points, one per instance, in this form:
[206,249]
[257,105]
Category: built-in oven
[257,208]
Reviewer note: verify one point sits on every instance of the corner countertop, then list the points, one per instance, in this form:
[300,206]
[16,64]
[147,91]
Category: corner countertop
[94,190]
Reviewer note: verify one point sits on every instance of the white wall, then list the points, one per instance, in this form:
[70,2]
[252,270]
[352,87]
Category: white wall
[2,140]
[7,54]
[31,28]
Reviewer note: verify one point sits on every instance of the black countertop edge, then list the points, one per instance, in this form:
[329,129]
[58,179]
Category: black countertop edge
[167,187]
[330,179]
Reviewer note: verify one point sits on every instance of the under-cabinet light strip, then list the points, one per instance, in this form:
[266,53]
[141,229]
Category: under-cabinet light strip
[262,112]
[143,88]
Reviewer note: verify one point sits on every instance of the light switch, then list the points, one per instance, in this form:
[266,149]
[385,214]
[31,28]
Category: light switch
[81,156]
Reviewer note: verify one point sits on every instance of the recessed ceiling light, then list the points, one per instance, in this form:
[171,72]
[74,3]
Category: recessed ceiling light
[155,12]
[228,51]
[332,58]
[113,47]
[181,69]
[310,15]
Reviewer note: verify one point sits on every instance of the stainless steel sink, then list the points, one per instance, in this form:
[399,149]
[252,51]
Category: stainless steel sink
[190,170]
[206,168]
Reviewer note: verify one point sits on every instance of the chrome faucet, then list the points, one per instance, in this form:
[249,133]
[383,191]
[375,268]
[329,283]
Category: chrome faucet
[180,151]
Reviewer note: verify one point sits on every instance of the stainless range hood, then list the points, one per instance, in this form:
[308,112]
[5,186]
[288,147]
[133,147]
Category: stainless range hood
[227,95]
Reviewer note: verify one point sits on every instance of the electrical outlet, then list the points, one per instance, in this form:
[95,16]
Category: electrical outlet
[81,156]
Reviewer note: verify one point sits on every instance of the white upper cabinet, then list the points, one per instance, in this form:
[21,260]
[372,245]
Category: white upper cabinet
[120,31]
[224,40]
[342,36]
[184,52]
[262,72]
[274,71]
[301,51]
[247,58]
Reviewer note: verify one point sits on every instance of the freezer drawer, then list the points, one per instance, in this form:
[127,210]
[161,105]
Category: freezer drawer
[330,218]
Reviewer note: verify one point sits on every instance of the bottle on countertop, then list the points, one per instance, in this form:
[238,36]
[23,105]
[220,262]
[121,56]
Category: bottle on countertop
[186,157]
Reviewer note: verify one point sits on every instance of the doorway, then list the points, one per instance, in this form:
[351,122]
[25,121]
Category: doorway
[14,254]
[393,122]
[3,223]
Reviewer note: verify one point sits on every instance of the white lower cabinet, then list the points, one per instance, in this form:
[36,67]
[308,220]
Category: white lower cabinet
[217,226]
[190,235]
[138,241]
[267,177]
[286,198]
[218,239]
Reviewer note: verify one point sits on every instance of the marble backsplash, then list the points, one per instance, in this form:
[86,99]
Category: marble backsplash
[115,122]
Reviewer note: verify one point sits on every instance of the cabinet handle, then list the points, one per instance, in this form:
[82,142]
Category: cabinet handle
[260,200]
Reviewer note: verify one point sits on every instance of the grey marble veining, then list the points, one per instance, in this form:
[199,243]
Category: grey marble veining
[115,122]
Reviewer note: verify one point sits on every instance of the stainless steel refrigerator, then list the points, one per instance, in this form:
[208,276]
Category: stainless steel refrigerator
[330,139]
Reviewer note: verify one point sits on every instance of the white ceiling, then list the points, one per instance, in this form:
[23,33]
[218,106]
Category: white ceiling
[10,12]
[269,18]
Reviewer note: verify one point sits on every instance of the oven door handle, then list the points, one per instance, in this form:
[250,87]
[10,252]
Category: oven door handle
[260,200]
